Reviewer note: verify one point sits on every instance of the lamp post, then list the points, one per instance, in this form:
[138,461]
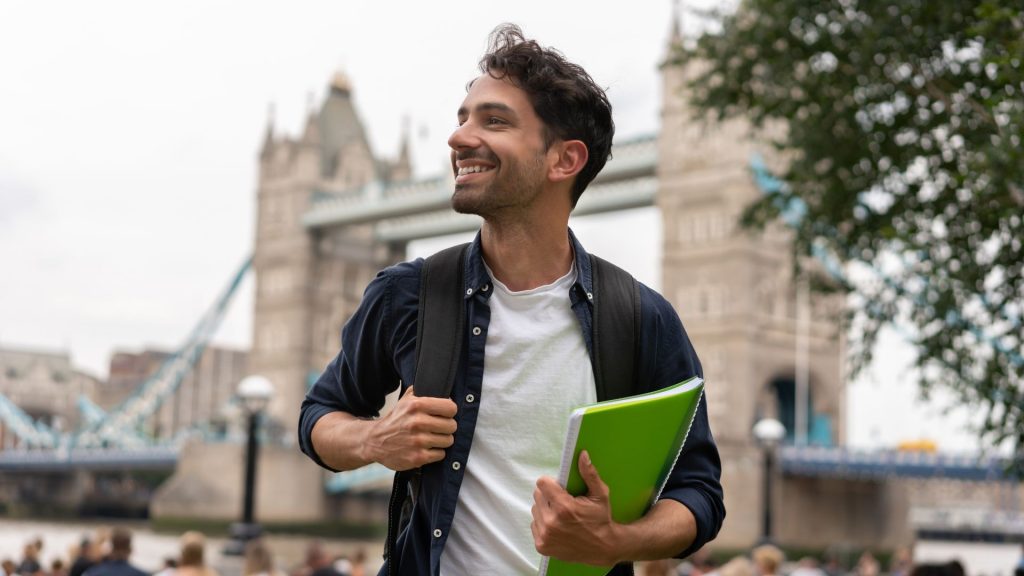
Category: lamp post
[768,432]
[255,393]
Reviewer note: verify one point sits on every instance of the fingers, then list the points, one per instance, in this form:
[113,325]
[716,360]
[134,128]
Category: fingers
[425,426]
[416,432]
[547,488]
[549,494]
[443,407]
[596,488]
[439,441]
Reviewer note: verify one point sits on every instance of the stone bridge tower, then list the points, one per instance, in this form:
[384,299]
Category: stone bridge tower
[735,293]
[308,283]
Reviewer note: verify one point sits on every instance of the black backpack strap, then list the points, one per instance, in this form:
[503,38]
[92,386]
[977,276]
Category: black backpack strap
[616,330]
[439,335]
[616,336]
[442,315]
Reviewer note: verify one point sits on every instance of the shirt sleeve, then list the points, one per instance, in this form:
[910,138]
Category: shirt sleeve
[359,378]
[695,481]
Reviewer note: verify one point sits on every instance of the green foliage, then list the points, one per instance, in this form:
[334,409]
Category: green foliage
[904,123]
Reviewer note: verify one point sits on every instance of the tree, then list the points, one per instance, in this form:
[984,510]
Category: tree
[903,127]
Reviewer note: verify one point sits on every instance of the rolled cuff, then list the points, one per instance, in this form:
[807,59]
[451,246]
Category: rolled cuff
[703,513]
[311,413]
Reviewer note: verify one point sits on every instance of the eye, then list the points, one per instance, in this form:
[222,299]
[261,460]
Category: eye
[495,121]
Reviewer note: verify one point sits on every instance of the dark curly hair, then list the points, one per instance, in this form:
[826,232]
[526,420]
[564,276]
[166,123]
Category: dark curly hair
[568,101]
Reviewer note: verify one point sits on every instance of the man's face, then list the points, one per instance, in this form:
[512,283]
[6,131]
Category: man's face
[498,150]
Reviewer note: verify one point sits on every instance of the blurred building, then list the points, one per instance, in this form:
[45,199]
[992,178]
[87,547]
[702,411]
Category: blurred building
[45,385]
[199,401]
[127,371]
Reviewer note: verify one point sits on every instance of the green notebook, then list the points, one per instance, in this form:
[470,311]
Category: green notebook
[634,443]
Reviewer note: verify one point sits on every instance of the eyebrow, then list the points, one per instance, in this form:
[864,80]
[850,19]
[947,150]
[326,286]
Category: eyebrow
[489,107]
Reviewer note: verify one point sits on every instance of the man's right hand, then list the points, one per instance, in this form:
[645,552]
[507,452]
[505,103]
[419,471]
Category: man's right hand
[414,433]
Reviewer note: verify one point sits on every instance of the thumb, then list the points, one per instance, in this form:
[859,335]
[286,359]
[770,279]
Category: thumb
[596,488]
[408,392]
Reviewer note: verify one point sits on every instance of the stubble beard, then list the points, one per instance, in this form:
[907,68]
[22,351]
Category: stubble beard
[520,185]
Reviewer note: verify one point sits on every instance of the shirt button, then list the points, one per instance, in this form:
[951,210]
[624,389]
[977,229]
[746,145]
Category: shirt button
[484,287]
[469,291]
[470,398]
[590,296]
[456,465]
[437,533]
[476,330]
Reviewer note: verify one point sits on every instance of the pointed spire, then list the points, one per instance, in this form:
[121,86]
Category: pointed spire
[311,134]
[403,151]
[402,168]
[341,83]
[675,38]
[674,48]
[268,138]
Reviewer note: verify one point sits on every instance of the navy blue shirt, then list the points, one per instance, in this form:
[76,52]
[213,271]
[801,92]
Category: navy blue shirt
[115,568]
[378,355]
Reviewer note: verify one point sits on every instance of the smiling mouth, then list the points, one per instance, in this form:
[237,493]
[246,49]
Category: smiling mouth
[473,170]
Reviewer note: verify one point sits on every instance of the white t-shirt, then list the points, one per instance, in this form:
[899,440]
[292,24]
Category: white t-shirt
[536,371]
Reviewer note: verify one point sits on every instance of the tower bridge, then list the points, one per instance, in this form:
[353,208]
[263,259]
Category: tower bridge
[331,213]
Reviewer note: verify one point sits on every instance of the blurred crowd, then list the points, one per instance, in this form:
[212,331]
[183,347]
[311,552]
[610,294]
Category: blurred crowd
[108,553]
[768,560]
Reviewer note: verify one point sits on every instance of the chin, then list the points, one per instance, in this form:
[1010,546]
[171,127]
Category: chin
[464,202]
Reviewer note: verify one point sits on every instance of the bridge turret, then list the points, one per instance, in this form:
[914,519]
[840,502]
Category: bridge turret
[311,133]
[346,158]
[298,280]
[266,151]
[402,168]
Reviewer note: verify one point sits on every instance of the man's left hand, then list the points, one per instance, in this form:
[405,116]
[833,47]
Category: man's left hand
[575,528]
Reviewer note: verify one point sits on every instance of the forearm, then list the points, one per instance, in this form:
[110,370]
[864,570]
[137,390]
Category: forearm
[340,440]
[666,530]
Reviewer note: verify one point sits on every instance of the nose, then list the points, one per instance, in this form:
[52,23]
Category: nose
[464,136]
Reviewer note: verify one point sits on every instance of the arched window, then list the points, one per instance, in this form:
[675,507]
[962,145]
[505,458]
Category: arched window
[784,390]
[819,426]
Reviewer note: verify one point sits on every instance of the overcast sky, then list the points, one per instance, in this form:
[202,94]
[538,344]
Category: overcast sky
[129,133]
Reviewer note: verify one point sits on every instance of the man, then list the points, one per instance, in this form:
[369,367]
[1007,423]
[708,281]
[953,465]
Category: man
[87,553]
[116,563]
[533,131]
[30,562]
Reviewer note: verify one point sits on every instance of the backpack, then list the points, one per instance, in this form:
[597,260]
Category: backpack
[440,331]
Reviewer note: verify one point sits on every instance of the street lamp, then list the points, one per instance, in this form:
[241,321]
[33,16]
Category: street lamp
[255,393]
[768,432]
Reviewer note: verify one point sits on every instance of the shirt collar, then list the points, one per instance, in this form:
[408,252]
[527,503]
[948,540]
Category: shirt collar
[476,277]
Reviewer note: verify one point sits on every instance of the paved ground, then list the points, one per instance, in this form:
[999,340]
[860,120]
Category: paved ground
[150,549]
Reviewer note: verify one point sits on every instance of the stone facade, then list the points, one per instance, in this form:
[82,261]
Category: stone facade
[127,371]
[207,481]
[45,385]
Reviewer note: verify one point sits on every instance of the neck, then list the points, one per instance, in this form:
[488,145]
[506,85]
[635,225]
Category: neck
[524,256]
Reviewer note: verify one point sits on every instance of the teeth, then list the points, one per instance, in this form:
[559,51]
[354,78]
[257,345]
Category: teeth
[473,169]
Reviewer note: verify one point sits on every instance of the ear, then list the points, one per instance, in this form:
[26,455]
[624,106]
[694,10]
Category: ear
[570,156]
